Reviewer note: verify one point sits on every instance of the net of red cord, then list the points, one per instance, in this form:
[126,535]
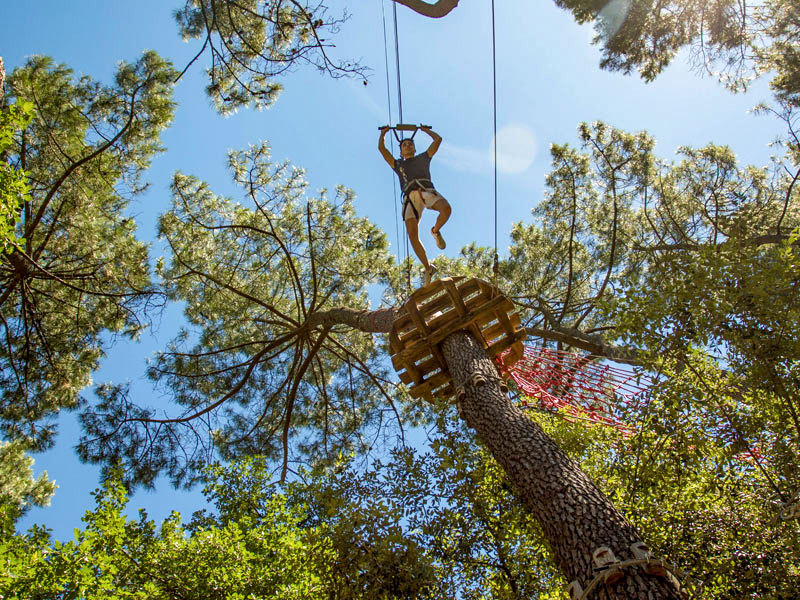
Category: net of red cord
[580,386]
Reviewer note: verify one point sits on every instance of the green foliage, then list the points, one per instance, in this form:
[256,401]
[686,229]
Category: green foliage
[735,41]
[443,524]
[80,273]
[699,500]
[251,42]
[251,369]
[18,489]
[13,185]
[695,496]
[113,557]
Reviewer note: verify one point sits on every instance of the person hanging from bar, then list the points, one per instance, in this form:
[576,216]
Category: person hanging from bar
[414,173]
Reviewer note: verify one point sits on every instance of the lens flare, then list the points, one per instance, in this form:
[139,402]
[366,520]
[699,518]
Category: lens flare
[611,18]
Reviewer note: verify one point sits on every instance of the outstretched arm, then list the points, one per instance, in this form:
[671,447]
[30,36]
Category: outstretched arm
[437,140]
[387,156]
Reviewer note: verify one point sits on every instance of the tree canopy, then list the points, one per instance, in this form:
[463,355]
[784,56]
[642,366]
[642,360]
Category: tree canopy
[80,271]
[686,268]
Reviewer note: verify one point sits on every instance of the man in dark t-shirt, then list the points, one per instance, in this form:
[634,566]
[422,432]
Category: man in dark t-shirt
[418,191]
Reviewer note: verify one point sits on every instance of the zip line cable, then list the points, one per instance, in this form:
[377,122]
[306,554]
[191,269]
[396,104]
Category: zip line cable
[400,113]
[495,265]
[397,60]
[389,103]
[400,110]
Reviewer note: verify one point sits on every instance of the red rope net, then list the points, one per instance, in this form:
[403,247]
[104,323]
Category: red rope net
[578,384]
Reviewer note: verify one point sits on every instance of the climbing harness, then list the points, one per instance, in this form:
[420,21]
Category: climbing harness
[419,183]
[414,128]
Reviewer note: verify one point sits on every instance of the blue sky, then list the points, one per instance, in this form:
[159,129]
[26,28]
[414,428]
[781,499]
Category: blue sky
[548,81]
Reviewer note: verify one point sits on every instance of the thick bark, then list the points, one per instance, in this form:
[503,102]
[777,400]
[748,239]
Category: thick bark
[435,11]
[575,516]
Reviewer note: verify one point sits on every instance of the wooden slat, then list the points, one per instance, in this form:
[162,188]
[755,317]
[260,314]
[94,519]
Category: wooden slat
[439,303]
[437,352]
[445,392]
[402,321]
[488,289]
[400,363]
[428,366]
[413,355]
[467,286]
[428,386]
[498,347]
[416,376]
[440,334]
[444,319]
[455,298]
[508,326]
[493,333]
[424,370]
[438,310]
[476,332]
[394,343]
[517,350]
[418,320]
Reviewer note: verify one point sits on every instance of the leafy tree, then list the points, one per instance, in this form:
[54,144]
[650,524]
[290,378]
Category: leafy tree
[370,554]
[13,186]
[734,40]
[595,221]
[18,489]
[276,364]
[254,370]
[250,43]
[80,272]
[232,555]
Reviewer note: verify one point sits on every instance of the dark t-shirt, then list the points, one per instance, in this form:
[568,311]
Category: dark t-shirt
[408,170]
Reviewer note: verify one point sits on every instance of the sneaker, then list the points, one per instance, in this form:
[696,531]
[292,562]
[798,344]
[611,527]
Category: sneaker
[429,272]
[437,235]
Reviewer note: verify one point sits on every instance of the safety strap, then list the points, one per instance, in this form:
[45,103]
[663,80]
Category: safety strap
[407,201]
[419,183]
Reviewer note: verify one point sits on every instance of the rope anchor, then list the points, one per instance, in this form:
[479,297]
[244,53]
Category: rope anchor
[610,570]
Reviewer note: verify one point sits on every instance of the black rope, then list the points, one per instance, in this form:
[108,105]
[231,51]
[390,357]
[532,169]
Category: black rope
[400,111]
[495,265]
[400,105]
[397,60]
[389,103]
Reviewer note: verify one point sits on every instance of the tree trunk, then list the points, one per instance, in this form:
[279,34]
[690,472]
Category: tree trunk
[575,516]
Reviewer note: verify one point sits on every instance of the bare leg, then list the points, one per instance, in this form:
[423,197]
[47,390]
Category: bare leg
[412,226]
[443,207]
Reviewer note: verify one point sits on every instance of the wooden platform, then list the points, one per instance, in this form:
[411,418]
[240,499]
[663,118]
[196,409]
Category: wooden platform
[440,309]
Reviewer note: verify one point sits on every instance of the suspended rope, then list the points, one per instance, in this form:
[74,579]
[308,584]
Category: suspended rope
[405,256]
[397,61]
[400,114]
[495,265]
[389,104]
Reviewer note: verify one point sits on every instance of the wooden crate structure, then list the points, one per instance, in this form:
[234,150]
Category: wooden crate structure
[440,309]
